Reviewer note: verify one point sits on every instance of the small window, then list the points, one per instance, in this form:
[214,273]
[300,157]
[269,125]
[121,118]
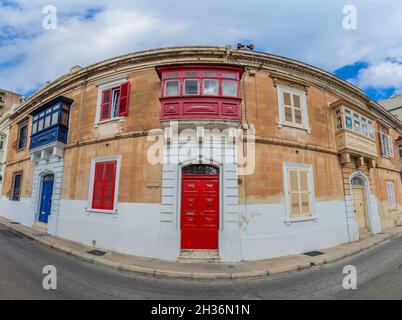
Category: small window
[191,87]
[103,196]
[387,145]
[391,195]
[210,87]
[114,102]
[171,88]
[2,143]
[229,88]
[299,191]
[22,136]
[400,151]
[16,188]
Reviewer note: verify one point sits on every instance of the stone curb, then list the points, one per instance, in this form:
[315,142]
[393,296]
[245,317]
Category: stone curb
[160,273]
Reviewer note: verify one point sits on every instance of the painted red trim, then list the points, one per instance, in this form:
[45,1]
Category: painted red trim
[201,106]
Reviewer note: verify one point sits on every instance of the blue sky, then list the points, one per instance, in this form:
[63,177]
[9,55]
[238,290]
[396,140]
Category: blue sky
[88,31]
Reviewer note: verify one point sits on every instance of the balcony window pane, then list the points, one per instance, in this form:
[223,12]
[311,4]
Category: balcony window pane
[229,88]
[371,133]
[348,122]
[47,121]
[339,123]
[191,74]
[211,87]
[210,74]
[190,87]
[229,75]
[40,124]
[171,88]
[364,129]
[172,75]
[55,116]
[34,126]
[357,125]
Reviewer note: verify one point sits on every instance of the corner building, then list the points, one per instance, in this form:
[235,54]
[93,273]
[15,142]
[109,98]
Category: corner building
[141,154]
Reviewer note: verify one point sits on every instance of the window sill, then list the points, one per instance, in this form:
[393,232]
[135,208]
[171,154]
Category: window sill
[281,125]
[117,119]
[91,210]
[289,220]
[392,209]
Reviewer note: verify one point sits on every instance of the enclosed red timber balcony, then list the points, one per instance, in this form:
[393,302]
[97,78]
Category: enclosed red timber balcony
[200,93]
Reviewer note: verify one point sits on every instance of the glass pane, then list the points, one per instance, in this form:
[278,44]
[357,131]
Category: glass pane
[298,116]
[229,75]
[211,87]
[48,110]
[294,204]
[191,87]
[357,125]
[55,116]
[191,74]
[34,126]
[305,204]
[171,88]
[364,129]
[115,102]
[172,75]
[40,124]
[229,88]
[47,121]
[210,74]
[296,100]
[339,123]
[286,99]
[200,169]
[288,114]
[293,185]
[303,181]
[348,123]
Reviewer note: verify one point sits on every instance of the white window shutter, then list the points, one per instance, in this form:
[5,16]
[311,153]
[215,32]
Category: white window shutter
[391,146]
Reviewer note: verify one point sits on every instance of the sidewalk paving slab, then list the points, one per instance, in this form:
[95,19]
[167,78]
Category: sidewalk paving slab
[202,271]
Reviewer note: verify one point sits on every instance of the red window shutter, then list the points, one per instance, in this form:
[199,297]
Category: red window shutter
[109,183]
[124,98]
[104,184]
[105,104]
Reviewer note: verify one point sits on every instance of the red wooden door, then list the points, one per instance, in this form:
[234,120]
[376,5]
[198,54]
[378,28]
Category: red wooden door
[200,208]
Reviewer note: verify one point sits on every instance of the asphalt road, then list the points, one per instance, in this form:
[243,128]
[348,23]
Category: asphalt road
[379,276]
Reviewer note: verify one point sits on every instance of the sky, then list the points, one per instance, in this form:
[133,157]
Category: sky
[367,52]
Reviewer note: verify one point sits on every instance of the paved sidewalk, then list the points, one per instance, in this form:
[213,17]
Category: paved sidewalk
[203,271]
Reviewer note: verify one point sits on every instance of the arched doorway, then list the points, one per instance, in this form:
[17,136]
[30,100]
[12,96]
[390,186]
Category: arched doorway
[46,195]
[200,207]
[360,207]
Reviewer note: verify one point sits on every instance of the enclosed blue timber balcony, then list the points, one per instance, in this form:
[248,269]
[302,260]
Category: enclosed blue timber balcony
[50,123]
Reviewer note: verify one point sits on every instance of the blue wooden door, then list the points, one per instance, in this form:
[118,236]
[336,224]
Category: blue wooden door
[46,198]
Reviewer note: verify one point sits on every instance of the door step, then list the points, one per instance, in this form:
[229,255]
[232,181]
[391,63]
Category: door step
[199,256]
[40,227]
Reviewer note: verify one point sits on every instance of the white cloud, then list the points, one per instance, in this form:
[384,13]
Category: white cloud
[305,30]
[381,76]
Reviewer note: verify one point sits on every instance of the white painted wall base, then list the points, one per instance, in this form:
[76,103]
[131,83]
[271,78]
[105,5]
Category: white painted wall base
[264,233]
[19,211]
[134,230]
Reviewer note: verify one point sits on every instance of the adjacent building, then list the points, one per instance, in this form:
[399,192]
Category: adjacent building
[393,105]
[244,155]
[9,101]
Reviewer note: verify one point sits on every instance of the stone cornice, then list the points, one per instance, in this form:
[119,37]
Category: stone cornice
[204,55]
